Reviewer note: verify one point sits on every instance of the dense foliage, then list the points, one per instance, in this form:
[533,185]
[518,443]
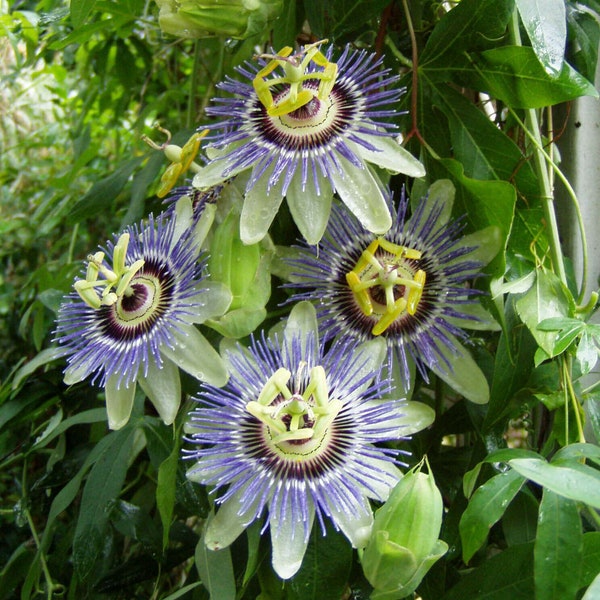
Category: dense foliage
[512,454]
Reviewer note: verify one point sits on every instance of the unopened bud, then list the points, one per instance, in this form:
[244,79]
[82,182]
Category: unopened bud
[404,543]
[205,18]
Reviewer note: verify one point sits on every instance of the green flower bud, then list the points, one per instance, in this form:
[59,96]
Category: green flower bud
[404,543]
[244,269]
[232,18]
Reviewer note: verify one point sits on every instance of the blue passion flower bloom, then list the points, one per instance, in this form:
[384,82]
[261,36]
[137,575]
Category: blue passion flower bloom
[307,127]
[408,287]
[294,433]
[132,318]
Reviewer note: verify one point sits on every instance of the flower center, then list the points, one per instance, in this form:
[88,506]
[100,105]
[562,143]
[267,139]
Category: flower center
[386,282]
[297,422]
[114,283]
[296,74]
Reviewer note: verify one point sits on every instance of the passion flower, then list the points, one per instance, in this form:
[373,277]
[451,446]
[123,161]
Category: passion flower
[409,287]
[308,127]
[294,433]
[131,318]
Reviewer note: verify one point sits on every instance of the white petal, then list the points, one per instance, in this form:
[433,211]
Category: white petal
[390,155]
[212,301]
[442,193]
[356,526]
[75,373]
[302,323]
[204,223]
[415,417]
[486,243]
[463,375]
[288,541]
[163,388]
[479,319]
[389,473]
[184,213]
[369,356]
[260,207]
[218,170]
[194,354]
[309,209]
[440,196]
[226,525]
[119,402]
[363,196]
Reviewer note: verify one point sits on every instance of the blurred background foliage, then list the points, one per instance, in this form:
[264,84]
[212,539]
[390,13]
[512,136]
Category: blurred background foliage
[87,513]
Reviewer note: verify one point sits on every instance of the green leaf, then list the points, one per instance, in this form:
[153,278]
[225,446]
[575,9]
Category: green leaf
[16,568]
[508,574]
[592,405]
[101,489]
[587,353]
[284,32]
[547,298]
[103,193]
[584,36]
[80,11]
[591,558]
[514,75]
[486,507]
[581,484]
[334,18]
[568,331]
[520,519]
[558,549]
[546,24]
[484,202]
[470,25]
[165,491]
[325,567]
[94,415]
[575,452]
[39,360]
[183,591]
[216,571]
[482,149]
[512,367]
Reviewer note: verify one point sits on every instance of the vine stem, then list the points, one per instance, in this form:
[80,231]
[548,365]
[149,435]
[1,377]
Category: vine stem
[532,130]
[415,78]
[570,192]
[572,396]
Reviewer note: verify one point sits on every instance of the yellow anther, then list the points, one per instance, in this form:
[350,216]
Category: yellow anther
[182,159]
[412,253]
[169,179]
[191,148]
[390,275]
[360,293]
[127,276]
[416,292]
[276,384]
[120,252]
[389,317]
[299,416]
[120,277]
[87,293]
[295,74]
